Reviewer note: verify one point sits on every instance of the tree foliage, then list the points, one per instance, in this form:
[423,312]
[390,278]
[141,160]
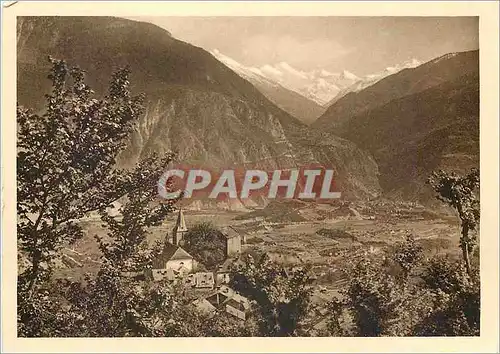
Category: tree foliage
[403,293]
[282,296]
[459,192]
[66,168]
[65,162]
[455,306]
[379,300]
[206,243]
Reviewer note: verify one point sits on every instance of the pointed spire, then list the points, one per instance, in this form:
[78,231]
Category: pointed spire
[181,223]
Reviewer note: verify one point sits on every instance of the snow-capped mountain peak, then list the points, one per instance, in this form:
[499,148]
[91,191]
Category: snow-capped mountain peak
[322,86]
[287,68]
[247,72]
[319,86]
[371,79]
[349,76]
[271,70]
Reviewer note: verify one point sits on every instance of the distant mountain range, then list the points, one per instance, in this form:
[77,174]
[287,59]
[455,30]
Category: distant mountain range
[281,82]
[320,86]
[371,79]
[293,102]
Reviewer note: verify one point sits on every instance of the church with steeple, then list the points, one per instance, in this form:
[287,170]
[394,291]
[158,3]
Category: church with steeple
[174,261]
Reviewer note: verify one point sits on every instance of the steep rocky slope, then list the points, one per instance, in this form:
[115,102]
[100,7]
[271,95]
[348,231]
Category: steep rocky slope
[297,105]
[291,102]
[195,105]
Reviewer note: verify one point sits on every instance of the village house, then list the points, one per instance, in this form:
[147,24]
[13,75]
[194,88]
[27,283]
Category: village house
[238,308]
[232,241]
[223,272]
[217,299]
[201,280]
[222,275]
[236,305]
[173,262]
[225,300]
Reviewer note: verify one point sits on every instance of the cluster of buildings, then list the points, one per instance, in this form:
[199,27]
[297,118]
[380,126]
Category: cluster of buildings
[176,265]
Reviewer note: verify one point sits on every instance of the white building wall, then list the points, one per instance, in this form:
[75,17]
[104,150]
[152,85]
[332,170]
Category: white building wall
[231,310]
[178,263]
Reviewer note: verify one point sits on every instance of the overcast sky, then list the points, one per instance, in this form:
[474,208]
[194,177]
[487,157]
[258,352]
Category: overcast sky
[362,45]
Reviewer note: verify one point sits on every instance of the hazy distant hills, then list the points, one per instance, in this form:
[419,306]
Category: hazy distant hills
[195,105]
[414,122]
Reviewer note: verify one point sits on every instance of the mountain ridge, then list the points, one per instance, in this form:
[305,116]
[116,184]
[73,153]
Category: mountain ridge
[319,86]
[316,85]
[414,122]
[402,83]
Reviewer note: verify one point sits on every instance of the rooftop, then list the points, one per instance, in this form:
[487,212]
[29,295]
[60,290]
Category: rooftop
[236,304]
[229,232]
[171,252]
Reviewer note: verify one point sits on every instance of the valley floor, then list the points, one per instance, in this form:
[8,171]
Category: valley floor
[344,234]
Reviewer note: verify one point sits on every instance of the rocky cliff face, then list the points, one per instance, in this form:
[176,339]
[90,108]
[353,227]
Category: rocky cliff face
[195,105]
[217,131]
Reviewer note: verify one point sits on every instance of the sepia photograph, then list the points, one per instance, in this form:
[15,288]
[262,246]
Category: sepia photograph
[249,176]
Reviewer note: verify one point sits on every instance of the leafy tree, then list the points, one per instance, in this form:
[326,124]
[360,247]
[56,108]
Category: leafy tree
[408,255]
[455,300]
[224,325]
[114,303]
[455,290]
[460,193]
[126,248]
[66,168]
[65,162]
[206,243]
[378,301]
[335,328]
[374,300]
[437,297]
[282,297]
